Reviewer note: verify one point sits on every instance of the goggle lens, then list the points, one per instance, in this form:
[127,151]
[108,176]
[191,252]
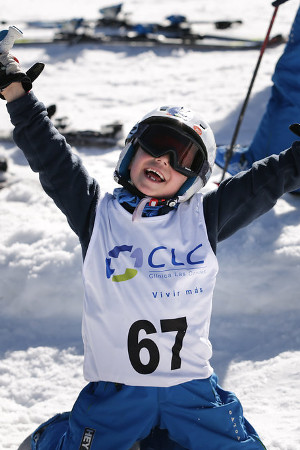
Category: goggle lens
[186,155]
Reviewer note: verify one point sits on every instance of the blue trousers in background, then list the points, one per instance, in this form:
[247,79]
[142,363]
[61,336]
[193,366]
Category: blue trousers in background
[283,108]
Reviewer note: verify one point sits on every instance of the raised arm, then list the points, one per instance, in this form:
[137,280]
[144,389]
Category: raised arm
[241,199]
[61,172]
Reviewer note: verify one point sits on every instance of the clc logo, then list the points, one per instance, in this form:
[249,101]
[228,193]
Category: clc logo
[137,255]
[156,260]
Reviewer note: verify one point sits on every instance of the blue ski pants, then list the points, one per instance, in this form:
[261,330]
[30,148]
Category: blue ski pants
[198,415]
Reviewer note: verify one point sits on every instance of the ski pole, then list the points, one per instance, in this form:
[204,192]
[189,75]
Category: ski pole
[230,151]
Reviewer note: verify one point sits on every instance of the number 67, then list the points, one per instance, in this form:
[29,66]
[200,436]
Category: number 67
[135,346]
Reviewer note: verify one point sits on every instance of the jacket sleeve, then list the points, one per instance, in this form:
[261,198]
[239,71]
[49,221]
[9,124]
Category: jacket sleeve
[62,175]
[241,199]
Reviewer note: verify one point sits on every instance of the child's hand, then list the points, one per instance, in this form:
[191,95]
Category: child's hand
[10,72]
[12,92]
[13,81]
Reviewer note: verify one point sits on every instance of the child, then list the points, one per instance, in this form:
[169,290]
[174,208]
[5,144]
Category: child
[149,272]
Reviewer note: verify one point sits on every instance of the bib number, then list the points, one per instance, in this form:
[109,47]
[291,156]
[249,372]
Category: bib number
[135,346]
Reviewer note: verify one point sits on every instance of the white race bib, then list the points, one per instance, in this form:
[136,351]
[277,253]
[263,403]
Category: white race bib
[148,293]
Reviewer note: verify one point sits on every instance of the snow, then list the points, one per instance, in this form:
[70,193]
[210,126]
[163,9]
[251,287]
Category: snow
[256,316]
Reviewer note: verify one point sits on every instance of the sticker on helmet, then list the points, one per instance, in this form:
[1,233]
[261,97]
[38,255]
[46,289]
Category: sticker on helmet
[197,129]
[181,112]
[133,130]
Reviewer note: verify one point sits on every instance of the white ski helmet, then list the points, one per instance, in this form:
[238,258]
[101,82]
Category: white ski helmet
[188,125]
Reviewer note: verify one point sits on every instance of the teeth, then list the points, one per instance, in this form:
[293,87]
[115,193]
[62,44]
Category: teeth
[149,171]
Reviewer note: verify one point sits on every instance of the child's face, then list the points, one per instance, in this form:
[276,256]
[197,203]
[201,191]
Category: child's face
[155,177]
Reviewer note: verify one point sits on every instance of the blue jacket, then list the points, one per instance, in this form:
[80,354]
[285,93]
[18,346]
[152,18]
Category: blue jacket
[237,201]
[283,106]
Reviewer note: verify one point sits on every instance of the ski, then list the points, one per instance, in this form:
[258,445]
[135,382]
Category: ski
[123,22]
[109,135]
[179,25]
[138,39]
[113,16]
[90,138]
[175,32]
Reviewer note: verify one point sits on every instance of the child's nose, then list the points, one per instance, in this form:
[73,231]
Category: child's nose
[165,159]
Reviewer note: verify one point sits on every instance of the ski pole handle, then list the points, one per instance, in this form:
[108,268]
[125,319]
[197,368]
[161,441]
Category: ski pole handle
[278,2]
[8,38]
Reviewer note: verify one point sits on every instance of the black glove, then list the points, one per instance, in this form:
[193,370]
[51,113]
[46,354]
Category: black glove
[295,128]
[10,72]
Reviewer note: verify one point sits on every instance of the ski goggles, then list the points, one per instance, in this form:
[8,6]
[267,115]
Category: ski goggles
[187,155]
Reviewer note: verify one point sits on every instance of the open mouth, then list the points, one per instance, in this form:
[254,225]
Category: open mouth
[154,175]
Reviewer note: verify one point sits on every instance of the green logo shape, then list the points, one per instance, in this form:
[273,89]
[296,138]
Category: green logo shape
[127,275]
